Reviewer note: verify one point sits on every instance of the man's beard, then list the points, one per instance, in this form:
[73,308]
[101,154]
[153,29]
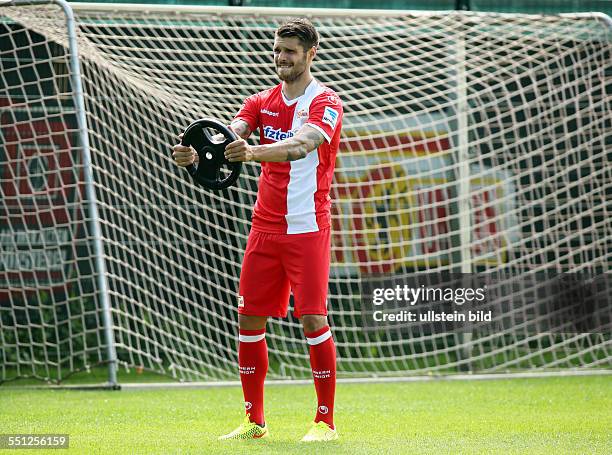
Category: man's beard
[293,75]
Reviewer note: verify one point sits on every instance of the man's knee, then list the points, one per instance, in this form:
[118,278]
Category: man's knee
[246,322]
[313,322]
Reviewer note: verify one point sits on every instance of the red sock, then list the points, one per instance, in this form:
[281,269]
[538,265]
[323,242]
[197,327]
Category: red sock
[253,364]
[323,364]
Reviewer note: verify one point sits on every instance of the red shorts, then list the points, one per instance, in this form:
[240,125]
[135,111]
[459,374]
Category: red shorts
[275,264]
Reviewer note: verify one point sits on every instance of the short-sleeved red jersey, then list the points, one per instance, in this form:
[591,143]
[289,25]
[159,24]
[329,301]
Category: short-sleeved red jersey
[293,197]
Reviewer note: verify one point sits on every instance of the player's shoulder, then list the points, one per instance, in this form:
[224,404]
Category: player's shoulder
[269,92]
[327,95]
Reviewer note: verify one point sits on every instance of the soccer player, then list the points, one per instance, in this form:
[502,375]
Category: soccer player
[288,248]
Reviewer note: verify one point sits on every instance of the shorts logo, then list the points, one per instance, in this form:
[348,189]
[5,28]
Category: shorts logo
[240,301]
[323,409]
[248,405]
[330,116]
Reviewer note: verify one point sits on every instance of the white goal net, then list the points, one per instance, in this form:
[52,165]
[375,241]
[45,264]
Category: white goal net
[472,143]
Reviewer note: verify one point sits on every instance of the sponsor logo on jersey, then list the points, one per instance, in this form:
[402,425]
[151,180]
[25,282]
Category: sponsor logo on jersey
[267,112]
[302,114]
[330,116]
[276,134]
[323,409]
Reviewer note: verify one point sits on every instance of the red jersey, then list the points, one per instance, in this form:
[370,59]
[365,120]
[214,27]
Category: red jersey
[293,197]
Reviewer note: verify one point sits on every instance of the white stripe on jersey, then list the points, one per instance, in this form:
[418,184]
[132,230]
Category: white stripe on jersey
[301,214]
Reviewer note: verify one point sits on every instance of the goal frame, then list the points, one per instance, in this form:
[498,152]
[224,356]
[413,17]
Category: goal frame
[83,136]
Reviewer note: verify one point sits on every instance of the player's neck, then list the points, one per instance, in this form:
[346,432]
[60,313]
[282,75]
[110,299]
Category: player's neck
[292,90]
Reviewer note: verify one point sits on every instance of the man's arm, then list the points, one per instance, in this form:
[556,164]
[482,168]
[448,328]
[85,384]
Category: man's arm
[241,128]
[294,148]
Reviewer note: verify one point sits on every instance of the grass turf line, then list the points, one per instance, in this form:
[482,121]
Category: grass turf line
[543,415]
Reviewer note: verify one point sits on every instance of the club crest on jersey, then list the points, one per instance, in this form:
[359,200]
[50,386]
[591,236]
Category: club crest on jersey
[330,116]
[276,134]
[333,99]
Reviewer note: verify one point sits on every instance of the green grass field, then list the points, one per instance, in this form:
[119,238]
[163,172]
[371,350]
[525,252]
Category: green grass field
[547,415]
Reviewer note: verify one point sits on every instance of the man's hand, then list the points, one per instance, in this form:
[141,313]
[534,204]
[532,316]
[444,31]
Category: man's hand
[183,156]
[239,150]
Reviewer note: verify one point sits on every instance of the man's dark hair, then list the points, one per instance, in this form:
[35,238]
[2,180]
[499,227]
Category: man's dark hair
[302,29]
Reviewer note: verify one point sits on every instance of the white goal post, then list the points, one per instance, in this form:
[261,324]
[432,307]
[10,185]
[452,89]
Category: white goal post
[472,143]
